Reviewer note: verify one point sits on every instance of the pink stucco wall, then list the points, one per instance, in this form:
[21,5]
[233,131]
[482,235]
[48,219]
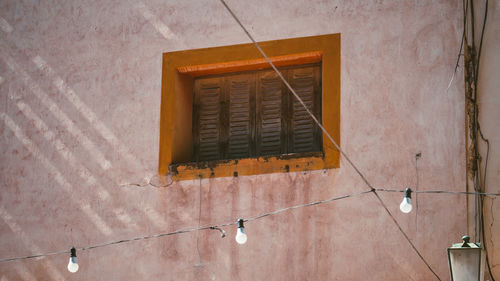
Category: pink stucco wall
[79,119]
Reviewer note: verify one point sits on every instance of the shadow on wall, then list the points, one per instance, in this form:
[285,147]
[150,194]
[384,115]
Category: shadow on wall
[161,27]
[73,160]
[26,240]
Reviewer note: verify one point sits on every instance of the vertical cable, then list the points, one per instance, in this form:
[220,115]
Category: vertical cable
[199,221]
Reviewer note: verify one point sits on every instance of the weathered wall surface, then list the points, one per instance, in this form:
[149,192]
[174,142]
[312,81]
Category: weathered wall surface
[489,114]
[79,117]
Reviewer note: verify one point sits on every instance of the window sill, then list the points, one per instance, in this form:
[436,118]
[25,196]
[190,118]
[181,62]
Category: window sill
[249,166]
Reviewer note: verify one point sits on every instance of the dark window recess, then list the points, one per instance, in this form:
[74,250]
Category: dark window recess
[253,114]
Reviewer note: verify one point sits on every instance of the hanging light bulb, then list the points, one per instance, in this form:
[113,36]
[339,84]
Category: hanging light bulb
[405,205]
[241,237]
[72,265]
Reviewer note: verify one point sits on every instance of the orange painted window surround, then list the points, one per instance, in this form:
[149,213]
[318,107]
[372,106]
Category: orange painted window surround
[178,72]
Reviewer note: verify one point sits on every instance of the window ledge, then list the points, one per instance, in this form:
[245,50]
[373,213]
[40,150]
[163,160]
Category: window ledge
[249,166]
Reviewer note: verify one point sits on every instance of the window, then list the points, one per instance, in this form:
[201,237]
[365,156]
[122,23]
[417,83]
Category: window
[253,114]
[253,125]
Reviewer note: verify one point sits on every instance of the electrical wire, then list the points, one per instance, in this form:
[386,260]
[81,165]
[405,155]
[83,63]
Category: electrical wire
[440,191]
[35,256]
[297,96]
[461,47]
[476,78]
[220,226]
[199,223]
[484,178]
[306,205]
[476,74]
[417,156]
[475,129]
[186,230]
[406,236]
[327,134]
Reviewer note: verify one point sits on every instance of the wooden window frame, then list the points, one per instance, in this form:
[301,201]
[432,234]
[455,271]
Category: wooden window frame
[178,72]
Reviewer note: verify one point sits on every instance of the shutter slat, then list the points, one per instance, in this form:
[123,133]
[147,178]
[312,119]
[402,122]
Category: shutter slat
[303,131]
[269,117]
[207,96]
[239,89]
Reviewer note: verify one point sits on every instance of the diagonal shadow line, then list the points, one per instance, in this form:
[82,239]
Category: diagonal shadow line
[69,157]
[5,26]
[57,112]
[82,171]
[90,115]
[151,214]
[158,24]
[24,272]
[86,112]
[120,214]
[58,145]
[71,96]
[85,174]
[59,178]
[14,227]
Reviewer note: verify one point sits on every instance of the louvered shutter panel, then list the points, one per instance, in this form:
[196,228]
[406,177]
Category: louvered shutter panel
[206,122]
[239,93]
[247,115]
[270,112]
[304,134]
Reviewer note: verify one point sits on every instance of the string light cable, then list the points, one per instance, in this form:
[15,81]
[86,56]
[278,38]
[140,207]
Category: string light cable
[218,227]
[441,191]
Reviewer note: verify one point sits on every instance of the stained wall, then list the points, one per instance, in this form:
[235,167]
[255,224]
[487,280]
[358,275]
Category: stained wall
[80,107]
[489,114]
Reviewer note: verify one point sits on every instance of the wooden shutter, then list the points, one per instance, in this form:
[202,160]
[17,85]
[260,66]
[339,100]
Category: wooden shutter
[246,115]
[270,121]
[206,119]
[304,134]
[240,114]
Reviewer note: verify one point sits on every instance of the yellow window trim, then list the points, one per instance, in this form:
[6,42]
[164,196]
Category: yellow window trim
[178,73]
